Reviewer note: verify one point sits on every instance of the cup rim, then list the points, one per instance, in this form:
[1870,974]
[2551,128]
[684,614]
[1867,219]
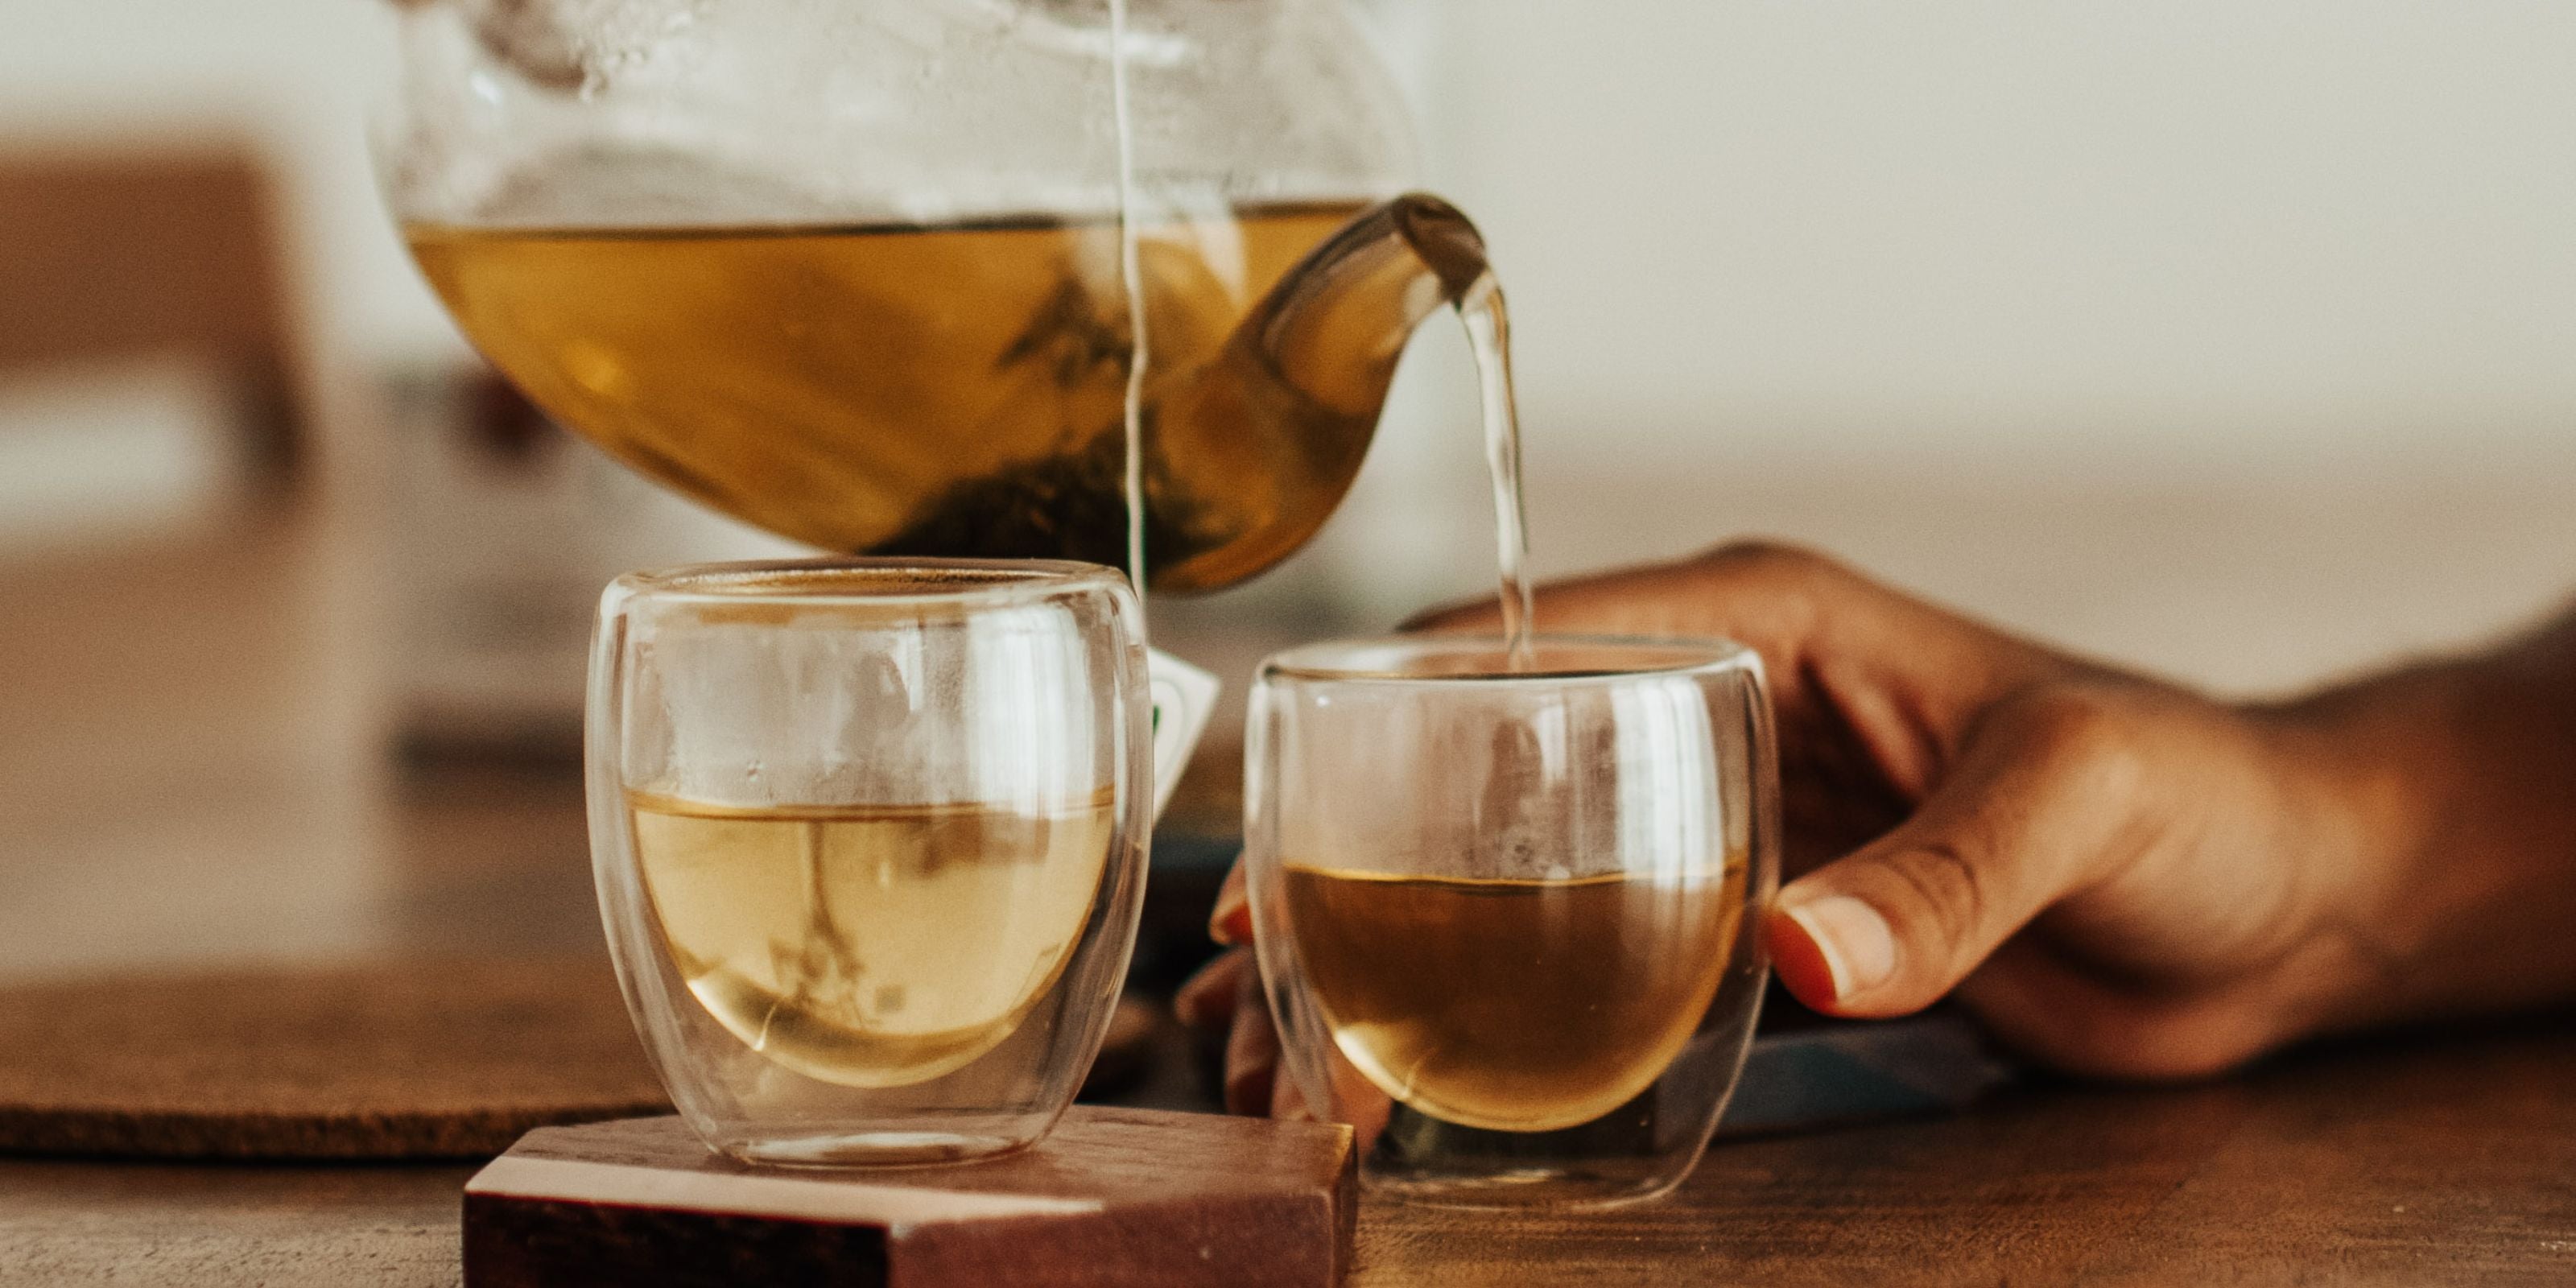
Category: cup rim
[1657,656]
[848,580]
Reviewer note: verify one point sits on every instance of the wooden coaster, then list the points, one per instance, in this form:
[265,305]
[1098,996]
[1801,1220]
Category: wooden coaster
[1124,1197]
[437,1058]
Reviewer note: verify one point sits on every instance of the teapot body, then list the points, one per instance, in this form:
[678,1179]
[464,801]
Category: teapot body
[851,269]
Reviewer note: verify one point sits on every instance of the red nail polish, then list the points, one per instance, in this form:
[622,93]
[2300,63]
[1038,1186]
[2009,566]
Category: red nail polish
[1231,926]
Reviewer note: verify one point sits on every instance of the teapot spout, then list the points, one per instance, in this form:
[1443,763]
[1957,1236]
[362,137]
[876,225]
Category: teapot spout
[1252,453]
[1336,324]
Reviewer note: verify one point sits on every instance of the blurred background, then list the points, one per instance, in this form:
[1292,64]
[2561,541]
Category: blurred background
[2231,339]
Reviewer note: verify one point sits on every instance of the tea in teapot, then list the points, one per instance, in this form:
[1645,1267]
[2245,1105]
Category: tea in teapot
[957,390]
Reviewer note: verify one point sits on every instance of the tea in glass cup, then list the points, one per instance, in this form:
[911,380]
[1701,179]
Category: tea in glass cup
[1510,908]
[870,844]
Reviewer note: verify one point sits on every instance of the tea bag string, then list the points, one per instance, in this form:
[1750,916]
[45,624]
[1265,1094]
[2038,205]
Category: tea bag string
[1132,277]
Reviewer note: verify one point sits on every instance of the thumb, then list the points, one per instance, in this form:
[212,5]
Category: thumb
[2031,812]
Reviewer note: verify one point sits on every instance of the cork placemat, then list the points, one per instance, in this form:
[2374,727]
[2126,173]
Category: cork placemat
[426,1058]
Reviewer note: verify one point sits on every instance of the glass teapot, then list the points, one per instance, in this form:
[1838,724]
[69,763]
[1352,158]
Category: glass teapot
[851,269]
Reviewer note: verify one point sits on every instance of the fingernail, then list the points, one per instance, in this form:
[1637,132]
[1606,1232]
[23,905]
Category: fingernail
[1856,944]
[1231,924]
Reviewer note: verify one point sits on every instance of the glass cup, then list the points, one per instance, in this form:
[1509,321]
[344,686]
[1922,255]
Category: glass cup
[1510,918]
[870,843]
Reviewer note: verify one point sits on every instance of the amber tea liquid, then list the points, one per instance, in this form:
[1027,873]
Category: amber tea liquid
[903,389]
[870,947]
[1513,1005]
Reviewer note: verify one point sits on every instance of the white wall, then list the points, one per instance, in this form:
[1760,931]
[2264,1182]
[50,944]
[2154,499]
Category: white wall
[2193,227]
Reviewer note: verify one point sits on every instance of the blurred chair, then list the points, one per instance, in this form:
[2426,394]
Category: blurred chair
[134,255]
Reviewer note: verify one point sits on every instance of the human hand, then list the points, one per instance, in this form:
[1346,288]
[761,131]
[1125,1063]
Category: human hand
[2117,876]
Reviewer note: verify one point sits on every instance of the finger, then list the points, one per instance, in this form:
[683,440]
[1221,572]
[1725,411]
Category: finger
[1643,600]
[1231,922]
[1906,676]
[1251,1051]
[2035,810]
[1207,1001]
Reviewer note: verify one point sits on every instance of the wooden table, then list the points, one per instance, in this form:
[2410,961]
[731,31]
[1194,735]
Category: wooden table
[2440,1162]
[181,788]
[2448,1160]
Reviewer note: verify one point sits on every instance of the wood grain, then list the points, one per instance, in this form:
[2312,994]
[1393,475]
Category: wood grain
[2423,1162]
[1111,1197]
[2449,1160]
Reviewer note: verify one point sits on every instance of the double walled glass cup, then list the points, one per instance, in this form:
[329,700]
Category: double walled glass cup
[870,844]
[1510,917]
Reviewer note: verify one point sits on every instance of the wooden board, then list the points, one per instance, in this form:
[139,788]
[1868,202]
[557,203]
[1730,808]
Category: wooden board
[1124,1197]
[426,1058]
